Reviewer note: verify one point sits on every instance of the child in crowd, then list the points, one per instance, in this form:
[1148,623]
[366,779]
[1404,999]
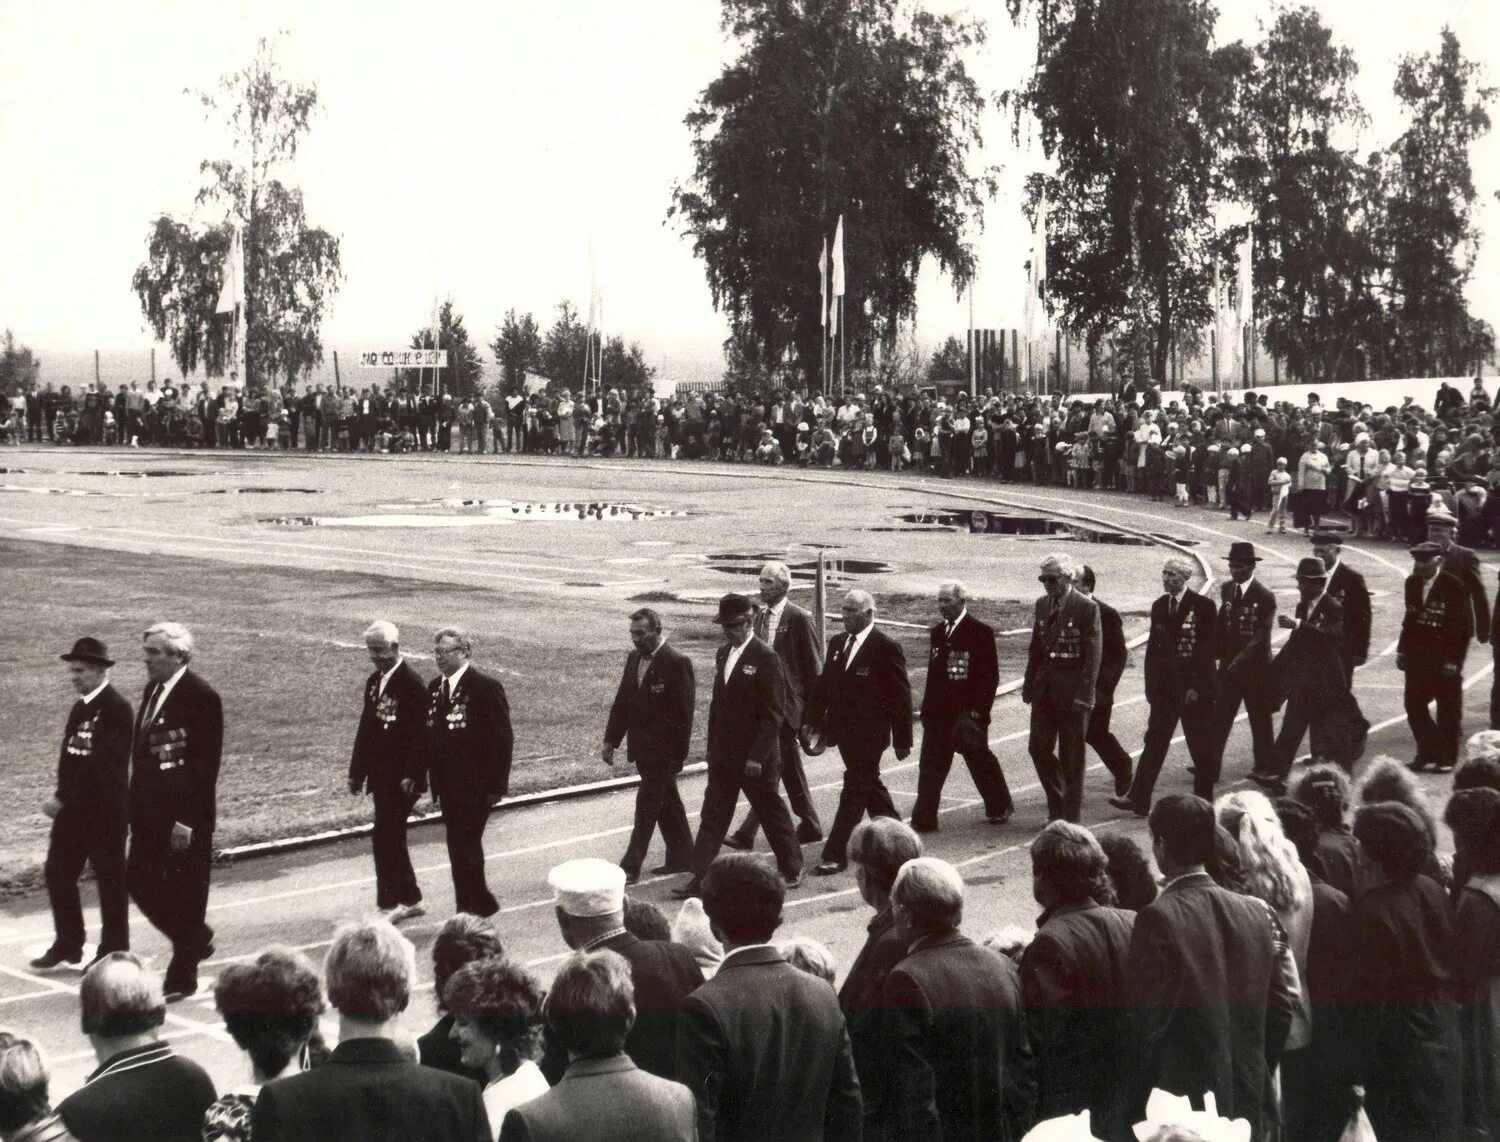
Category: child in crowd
[1280,482]
[898,448]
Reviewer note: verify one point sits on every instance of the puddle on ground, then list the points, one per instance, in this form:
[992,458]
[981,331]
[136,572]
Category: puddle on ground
[486,513]
[604,510]
[982,522]
[836,570]
[257,492]
[145,473]
[52,491]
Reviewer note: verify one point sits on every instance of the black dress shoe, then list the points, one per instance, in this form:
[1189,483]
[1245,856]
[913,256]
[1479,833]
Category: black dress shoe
[1129,805]
[54,958]
[669,870]
[830,867]
[632,877]
[738,843]
[175,991]
[690,889]
[791,881]
[103,954]
[1122,784]
[1001,817]
[808,834]
[924,827]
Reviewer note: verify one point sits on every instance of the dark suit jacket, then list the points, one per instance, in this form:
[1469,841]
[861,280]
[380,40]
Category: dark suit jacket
[656,716]
[865,704]
[146,1094]
[955,1048]
[367,1091]
[1437,632]
[746,715]
[799,646]
[962,674]
[860,999]
[764,1049]
[605,1100]
[1063,662]
[1113,654]
[1463,565]
[1180,651]
[467,745]
[388,743]
[1310,666]
[174,765]
[1243,632]
[1073,991]
[1349,591]
[1211,1008]
[664,975]
[93,765]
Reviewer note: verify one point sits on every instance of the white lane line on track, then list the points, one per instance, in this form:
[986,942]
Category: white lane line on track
[59,988]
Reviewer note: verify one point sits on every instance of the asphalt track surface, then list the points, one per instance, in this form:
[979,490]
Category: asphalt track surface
[296,899]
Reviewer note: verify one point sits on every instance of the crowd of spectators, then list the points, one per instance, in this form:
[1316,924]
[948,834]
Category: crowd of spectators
[1304,962]
[1288,464]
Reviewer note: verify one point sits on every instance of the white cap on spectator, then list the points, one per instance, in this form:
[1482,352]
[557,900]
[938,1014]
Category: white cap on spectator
[588,887]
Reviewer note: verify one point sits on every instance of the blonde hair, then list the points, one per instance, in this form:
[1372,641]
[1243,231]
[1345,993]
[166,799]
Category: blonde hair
[1269,864]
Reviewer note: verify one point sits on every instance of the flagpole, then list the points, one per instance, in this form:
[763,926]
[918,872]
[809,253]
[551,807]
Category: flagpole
[843,344]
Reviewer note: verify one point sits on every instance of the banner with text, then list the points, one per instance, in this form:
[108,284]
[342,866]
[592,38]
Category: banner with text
[404,359]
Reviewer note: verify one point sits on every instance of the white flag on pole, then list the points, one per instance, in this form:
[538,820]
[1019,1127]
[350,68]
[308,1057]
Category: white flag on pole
[232,291]
[838,259]
[823,282]
[1036,275]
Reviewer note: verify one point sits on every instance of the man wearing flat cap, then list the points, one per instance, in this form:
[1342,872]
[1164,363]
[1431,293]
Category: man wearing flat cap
[744,729]
[1462,564]
[90,810]
[1247,612]
[589,897]
[1346,587]
[1434,640]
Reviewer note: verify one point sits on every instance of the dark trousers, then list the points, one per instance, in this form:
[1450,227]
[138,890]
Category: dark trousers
[1495,689]
[395,882]
[1251,690]
[1056,748]
[658,804]
[1295,721]
[863,792]
[78,838]
[465,814]
[1105,744]
[1197,726]
[932,773]
[1437,741]
[794,778]
[171,890]
[726,781]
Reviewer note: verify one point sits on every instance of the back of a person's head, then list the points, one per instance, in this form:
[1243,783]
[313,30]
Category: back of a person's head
[1474,816]
[809,956]
[23,1083]
[1269,866]
[1128,867]
[120,997]
[1324,789]
[591,1004]
[1478,773]
[1394,837]
[270,1006]
[645,921]
[1387,779]
[743,897]
[370,970]
[1184,825]
[462,939]
[1068,859]
[881,846]
[931,892]
[1300,825]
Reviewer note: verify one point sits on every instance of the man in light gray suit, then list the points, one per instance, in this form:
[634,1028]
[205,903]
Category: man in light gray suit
[604,1096]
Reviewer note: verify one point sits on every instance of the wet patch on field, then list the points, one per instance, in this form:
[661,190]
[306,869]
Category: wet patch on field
[980,521]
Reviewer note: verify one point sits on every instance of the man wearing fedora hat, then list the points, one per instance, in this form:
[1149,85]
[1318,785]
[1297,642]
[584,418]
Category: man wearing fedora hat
[1346,587]
[1462,564]
[1434,640]
[1247,611]
[90,810]
[744,727]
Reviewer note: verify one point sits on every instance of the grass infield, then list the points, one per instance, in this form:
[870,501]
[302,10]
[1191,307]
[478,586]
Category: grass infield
[283,649]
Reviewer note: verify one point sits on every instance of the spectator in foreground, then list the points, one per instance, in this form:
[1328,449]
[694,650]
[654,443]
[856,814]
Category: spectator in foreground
[25,1113]
[497,1011]
[142,1088]
[762,1045]
[954,1047]
[603,1097]
[1131,883]
[1474,815]
[461,940]
[369,1090]
[692,930]
[270,1009]
[810,956]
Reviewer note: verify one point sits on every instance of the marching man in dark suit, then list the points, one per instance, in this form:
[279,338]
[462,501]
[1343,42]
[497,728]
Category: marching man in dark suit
[174,773]
[1434,641]
[1462,564]
[863,705]
[1346,587]
[788,630]
[90,810]
[1247,611]
[653,710]
[1062,669]
[387,748]
[466,756]
[963,673]
[1309,670]
[1113,657]
[1180,684]
[744,728]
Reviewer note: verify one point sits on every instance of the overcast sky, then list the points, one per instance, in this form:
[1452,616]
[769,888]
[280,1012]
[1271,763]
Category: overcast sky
[474,148]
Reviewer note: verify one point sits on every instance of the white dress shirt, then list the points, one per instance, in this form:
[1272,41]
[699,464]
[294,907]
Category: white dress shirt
[732,657]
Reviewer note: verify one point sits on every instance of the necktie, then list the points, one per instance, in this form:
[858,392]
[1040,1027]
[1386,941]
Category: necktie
[153,707]
[1052,614]
[1171,606]
[948,635]
[447,692]
[1302,610]
[1239,594]
[762,622]
[641,667]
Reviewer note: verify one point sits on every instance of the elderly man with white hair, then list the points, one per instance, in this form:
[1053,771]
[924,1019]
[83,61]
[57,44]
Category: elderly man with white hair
[174,774]
[1062,668]
[955,1051]
[387,749]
